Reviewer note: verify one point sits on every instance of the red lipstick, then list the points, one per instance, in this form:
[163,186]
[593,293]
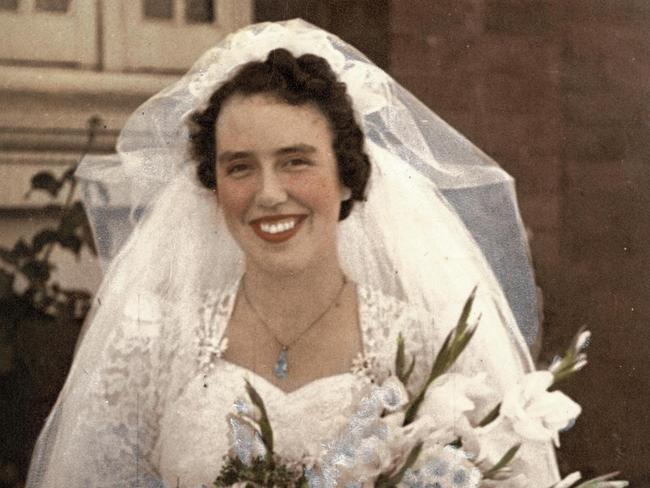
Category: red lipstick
[277,228]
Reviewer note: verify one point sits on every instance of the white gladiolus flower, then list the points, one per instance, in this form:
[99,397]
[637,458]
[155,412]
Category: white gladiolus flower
[452,395]
[568,481]
[536,413]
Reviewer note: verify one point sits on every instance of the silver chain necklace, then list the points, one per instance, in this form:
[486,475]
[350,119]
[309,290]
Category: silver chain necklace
[281,368]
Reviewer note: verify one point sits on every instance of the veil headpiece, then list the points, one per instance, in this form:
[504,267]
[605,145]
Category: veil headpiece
[440,218]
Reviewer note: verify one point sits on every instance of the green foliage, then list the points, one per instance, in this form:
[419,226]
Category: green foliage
[259,473]
[454,345]
[400,362]
[264,423]
[39,319]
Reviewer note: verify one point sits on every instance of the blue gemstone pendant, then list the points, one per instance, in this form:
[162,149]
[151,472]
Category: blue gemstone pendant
[281,367]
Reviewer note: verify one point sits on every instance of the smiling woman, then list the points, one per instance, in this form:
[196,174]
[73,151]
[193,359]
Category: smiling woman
[262,270]
[280,193]
[284,186]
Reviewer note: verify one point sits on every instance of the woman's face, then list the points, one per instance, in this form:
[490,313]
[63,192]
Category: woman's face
[277,182]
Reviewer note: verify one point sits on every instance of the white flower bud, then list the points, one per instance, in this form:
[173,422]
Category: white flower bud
[568,481]
[583,340]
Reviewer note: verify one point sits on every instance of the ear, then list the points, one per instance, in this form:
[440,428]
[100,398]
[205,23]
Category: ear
[346,193]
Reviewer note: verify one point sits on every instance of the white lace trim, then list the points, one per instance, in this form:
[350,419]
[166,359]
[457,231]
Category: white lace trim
[381,318]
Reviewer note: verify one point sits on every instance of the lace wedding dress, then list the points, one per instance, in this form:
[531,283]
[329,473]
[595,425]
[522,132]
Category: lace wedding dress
[193,429]
[166,400]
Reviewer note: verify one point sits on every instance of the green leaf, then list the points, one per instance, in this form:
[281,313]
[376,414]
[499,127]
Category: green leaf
[467,308]
[21,249]
[68,175]
[407,375]
[74,218]
[44,238]
[494,413]
[503,462]
[400,361]
[265,425]
[71,242]
[399,358]
[37,271]
[45,181]
[456,443]
[7,256]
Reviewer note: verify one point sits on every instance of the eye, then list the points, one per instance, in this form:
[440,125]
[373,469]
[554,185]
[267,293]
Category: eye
[238,169]
[297,162]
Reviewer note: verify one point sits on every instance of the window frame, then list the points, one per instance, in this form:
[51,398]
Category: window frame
[35,36]
[164,45]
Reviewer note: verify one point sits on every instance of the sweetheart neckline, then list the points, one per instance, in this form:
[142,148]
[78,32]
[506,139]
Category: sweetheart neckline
[221,321]
[286,394]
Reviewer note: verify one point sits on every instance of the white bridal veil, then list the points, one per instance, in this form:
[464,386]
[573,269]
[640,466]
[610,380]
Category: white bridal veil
[440,218]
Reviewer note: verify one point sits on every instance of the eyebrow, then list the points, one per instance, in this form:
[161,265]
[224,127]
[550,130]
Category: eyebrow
[228,156]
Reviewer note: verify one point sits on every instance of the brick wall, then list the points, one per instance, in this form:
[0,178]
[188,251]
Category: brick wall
[557,92]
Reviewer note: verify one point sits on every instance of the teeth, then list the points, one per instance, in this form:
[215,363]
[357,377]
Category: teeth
[283,226]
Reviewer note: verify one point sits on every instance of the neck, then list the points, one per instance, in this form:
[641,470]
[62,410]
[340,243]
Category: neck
[291,299]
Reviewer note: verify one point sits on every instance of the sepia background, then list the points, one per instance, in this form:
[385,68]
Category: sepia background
[556,91]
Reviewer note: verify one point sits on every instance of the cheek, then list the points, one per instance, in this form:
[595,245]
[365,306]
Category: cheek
[321,194]
[234,199]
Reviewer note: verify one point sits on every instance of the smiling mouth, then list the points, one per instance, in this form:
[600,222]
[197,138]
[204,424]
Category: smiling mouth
[278,228]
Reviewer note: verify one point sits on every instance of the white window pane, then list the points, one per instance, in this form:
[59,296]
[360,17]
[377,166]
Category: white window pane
[199,11]
[158,9]
[53,5]
[8,4]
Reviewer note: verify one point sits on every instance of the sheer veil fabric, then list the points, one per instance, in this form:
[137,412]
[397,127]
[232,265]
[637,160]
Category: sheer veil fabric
[421,237]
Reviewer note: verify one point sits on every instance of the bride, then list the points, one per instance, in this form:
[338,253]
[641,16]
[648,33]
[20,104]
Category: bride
[287,223]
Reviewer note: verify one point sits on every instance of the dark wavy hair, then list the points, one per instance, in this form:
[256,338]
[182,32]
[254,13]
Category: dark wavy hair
[308,79]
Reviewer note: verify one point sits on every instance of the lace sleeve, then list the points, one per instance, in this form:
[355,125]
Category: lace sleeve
[383,318]
[103,434]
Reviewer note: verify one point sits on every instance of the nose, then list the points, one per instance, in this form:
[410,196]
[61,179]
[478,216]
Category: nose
[271,191]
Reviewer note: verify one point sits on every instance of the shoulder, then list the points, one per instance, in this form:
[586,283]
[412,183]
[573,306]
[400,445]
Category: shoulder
[383,318]
[384,307]
[218,301]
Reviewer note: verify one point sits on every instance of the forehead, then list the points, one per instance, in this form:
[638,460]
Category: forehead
[263,122]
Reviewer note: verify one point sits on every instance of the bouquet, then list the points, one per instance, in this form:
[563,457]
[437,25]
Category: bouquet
[430,439]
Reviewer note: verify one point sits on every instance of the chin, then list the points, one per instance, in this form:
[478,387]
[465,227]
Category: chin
[281,270]
[283,265]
